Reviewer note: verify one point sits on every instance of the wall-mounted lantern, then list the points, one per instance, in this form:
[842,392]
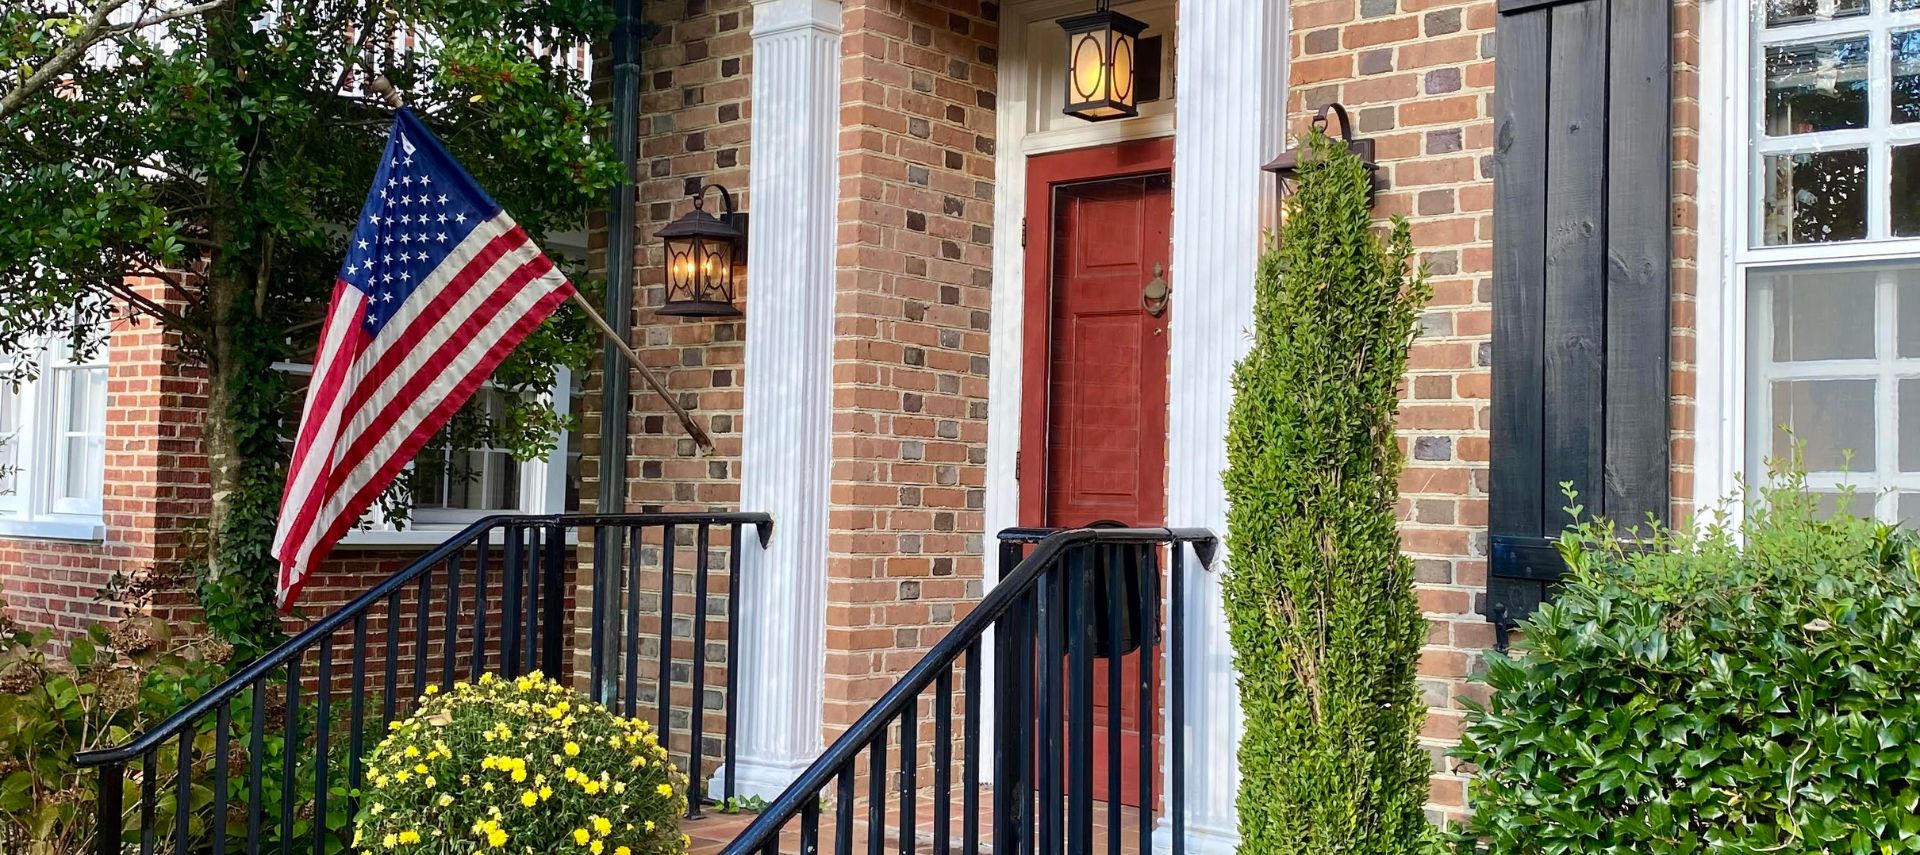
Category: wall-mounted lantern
[1287,165]
[703,254]
[1103,50]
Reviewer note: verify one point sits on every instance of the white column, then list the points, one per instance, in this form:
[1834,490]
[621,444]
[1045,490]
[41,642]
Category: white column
[793,191]
[1231,97]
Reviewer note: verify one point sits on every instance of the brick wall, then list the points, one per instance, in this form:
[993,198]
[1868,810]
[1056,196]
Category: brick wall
[913,278]
[154,498]
[694,108]
[694,104]
[1418,75]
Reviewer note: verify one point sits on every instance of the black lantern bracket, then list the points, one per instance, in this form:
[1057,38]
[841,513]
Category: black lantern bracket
[1287,166]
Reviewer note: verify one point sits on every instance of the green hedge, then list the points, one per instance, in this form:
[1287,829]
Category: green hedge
[1325,627]
[1727,690]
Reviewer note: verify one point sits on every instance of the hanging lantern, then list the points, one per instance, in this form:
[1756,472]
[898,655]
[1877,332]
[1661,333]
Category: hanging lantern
[1286,167]
[1103,49]
[703,253]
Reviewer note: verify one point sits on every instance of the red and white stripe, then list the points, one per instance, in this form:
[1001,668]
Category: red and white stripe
[376,399]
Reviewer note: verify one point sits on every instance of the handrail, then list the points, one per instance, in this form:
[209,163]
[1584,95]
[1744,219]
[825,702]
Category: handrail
[279,656]
[1015,585]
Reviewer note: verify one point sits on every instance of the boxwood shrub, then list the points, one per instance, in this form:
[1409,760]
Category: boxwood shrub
[1750,688]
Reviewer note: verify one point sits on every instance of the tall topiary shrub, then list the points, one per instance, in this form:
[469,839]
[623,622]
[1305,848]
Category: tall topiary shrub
[1325,628]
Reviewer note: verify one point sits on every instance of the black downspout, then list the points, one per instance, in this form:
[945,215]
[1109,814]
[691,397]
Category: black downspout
[616,382]
[616,377]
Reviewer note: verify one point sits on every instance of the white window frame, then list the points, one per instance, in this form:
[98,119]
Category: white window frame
[543,488]
[1732,142]
[34,509]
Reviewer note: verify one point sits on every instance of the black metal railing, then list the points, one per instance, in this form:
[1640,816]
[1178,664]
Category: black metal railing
[256,765]
[1069,606]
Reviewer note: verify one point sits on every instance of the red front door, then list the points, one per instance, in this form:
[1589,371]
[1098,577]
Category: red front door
[1094,433]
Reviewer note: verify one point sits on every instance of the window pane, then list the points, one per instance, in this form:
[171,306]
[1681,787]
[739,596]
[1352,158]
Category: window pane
[1909,315]
[1784,12]
[80,430]
[1906,74]
[1830,417]
[1906,190]
[503,488]
[1910,510]
[1857,504]
[9,440]
[1910,425]
[1820,314]
[1815,197]
[1816,86]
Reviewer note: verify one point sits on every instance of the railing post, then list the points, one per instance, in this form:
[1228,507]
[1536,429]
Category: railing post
[552,645]
[1012,755]
[109,824]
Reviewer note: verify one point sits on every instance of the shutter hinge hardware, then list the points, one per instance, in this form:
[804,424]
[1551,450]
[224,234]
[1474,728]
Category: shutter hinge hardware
[1023,231]
[1017,468]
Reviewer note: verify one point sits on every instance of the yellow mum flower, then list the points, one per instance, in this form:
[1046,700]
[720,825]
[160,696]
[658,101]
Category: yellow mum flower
[649,825]
[496,838]
[390,841]
[411,751]
[519,775]
[409,836]
[486,679]
[445,800]
[572,749]
[596,847]
[601,826]
[433,689]
[546,793]
[664,789]
[581,836]
[592,787]
[420,768]
[431,783]
[529,798]
[622,850]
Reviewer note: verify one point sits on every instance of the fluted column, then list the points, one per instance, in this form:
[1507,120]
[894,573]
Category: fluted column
[1232,62]
[783,469]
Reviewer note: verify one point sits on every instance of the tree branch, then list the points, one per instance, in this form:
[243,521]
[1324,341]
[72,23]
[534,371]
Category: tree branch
[163,17]
[96,30]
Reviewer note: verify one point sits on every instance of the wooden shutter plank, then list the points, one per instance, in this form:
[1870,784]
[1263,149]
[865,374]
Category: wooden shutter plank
[1639,241]
[1519,273]
[1575,381]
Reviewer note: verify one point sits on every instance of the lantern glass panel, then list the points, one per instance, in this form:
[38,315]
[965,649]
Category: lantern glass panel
[716,270]
[682,279]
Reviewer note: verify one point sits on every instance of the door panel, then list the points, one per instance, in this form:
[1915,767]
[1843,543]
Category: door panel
[1102,417]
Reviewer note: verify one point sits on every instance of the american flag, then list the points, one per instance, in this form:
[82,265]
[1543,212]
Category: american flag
[438,287]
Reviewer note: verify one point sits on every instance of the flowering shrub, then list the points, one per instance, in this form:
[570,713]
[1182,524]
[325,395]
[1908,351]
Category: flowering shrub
[520,766]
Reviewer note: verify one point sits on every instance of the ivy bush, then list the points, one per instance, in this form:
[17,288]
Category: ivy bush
[1325,628]
[525,766]
[1735,688]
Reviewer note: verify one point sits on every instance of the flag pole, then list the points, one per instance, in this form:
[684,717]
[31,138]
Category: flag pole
[700,438]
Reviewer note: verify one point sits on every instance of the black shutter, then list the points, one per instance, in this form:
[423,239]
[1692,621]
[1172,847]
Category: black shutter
[1581,279]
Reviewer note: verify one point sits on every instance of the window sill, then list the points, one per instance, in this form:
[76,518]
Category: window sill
[74,528]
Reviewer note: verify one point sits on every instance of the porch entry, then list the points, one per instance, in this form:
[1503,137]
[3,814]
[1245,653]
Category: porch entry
[1098,237]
